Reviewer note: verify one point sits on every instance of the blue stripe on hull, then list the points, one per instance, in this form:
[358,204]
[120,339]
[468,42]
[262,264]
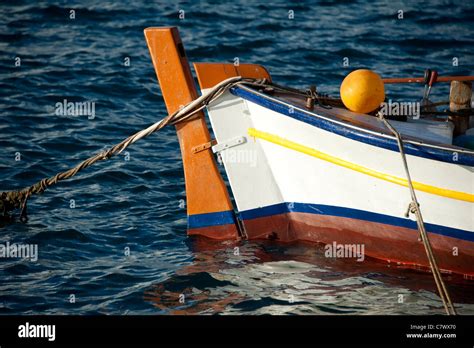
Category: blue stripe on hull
[211,219]
[319,209]
[356,134]
[228,217]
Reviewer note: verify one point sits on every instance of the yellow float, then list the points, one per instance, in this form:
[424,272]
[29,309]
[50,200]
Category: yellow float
[362,91]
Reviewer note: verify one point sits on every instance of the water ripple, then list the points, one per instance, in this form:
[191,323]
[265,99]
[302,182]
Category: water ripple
[114,237]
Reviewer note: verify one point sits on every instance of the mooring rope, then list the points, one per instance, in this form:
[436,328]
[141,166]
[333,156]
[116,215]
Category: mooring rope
[11,200]
[414,207]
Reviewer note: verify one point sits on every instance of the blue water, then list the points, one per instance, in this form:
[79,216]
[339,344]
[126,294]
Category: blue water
[137,204]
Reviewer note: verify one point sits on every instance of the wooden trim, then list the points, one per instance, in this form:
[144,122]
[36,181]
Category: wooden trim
[206,191]
[210,74]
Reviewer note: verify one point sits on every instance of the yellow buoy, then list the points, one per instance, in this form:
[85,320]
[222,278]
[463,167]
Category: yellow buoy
[362,91]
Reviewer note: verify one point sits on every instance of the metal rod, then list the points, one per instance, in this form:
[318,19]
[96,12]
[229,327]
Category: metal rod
[422,79]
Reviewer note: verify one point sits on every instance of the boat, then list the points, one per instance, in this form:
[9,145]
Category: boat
[319,173]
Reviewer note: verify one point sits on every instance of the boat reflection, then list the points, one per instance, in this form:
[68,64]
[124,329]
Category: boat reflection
[267,277]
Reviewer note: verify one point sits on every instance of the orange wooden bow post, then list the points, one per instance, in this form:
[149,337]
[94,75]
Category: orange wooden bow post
[209,208]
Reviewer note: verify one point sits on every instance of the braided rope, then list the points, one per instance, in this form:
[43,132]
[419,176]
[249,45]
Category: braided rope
[10,200]
[414,207]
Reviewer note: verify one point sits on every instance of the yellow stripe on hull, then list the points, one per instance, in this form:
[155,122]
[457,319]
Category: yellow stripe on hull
[462,196]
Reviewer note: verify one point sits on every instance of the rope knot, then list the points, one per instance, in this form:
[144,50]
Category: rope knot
[412,208]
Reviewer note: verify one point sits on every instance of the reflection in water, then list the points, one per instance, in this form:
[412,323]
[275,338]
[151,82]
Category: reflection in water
[269,278]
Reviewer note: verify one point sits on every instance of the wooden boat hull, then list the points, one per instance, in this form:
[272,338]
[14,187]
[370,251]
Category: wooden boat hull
[328,176]
[313,176]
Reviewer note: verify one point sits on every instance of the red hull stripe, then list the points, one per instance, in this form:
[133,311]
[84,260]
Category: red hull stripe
[384,237]
[398,245]
[362,215]
[221,232]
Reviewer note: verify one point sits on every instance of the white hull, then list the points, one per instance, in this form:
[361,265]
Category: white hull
[276,166]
